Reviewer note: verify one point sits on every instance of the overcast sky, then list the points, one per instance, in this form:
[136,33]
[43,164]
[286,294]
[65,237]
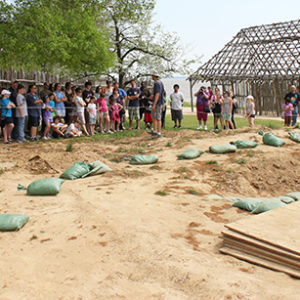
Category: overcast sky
[205,26]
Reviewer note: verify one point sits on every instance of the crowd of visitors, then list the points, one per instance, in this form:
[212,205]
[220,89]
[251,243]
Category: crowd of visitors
[71,111]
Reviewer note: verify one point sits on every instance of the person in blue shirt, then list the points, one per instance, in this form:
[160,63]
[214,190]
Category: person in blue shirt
[133,95]
[294,98]
[6,115]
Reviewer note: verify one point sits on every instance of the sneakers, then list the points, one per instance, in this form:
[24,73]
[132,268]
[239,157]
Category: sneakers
[175,126]
[33,139]
[205,127]
[199,127]
[157,135]
[179,127]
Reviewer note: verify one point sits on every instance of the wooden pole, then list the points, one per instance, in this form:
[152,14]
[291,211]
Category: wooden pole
[191,95]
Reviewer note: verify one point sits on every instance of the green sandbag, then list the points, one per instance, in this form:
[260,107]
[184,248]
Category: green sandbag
[244,144]
[260,132]
[294,195]
[272,140]
[190,154]
[96,168]
[10,222]
[294,137]
[268,205]
[222,149]
[286,200]
[248,204]
[76,171]
[48,186]
[143,160]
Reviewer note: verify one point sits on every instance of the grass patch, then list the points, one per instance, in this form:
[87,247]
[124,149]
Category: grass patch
[183,170]
[251,154]
[193,192]
[229,171]
[211,162]
[116,160]
[169,144]
[69,147]
[1,171]
[155,167]
[134,173]
[241,161]
[217,169]
[34,237]
[161,193]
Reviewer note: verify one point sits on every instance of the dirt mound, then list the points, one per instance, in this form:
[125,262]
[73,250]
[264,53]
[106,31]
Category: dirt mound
[37,165]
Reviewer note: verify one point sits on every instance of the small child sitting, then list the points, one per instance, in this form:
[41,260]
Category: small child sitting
[73,130]
[58,127]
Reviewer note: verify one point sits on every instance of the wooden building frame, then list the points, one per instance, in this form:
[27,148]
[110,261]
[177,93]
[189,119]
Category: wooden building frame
[261,60]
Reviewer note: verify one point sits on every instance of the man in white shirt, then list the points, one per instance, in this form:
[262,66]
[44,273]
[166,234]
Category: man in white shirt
[176,106]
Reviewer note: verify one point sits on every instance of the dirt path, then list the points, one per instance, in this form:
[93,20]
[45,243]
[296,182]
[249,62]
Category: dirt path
[112,237]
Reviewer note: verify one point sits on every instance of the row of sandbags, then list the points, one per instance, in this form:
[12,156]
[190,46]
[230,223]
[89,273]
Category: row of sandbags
[259,205]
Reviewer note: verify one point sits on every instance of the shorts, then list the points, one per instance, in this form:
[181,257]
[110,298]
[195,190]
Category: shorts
[33,121]
[217,115]
[252,116]
[227,116]
[201,115]
[48,120]
[148,118]
[176,114]
[61,113]
[156,114]
[81,117]
[92,120]
[7,120]
[103,114]
[134,113]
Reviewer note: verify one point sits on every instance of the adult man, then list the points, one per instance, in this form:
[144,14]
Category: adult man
[86,96]
[158,102]
[133,95]
[108,90]
[13,98]
[176,106]
[45,92]
[294,97]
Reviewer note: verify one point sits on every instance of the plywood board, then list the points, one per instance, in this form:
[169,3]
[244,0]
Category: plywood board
[279,227]
[259,261]
[232,235]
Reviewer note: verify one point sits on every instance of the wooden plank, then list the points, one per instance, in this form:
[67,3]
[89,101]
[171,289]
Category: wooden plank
[231,235]
[265,254]
[279,227]
[259,261]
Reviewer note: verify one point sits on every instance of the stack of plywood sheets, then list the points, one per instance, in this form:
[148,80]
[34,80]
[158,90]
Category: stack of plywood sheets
[271,239]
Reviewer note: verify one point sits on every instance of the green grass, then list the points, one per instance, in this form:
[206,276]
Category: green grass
[169,144]
[193,192]
[161,193]
[1,171]
[251,153]
[69,147]
[241,161]
[183,170]
[211,162]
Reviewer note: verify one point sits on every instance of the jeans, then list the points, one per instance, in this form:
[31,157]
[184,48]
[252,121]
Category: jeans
[14,133]
[295,115]
[20,129]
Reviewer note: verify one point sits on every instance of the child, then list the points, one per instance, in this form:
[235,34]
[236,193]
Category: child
[73,129]
[227,110]
[58,127]
[47,115]
[148,109]
[80,104]
[176,106]
[92,110]
[288,109]
[21,113]
[250,110]
[52,104]
[6,116]
[114,107]
[102,112]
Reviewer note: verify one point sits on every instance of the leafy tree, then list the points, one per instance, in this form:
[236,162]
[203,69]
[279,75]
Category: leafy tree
[140,47]
[57,35]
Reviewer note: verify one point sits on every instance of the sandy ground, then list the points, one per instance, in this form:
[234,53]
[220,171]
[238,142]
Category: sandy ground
[112,237]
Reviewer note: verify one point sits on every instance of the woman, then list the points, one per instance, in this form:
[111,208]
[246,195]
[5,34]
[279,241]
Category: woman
[68,103]
[98,92]
[34,104]
[227,110]
[217,105]
[250,110]
[60,99]
[202,105]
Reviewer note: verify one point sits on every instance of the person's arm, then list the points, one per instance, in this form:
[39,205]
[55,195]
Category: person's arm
[10,105]
[38,101]
[231,106]
[82,103]
[120,106]
[205,95]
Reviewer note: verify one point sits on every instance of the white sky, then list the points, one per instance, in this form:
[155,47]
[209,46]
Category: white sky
[206,26]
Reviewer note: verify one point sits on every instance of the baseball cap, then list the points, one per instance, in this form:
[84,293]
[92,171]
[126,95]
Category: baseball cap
[250,97]
[5,92]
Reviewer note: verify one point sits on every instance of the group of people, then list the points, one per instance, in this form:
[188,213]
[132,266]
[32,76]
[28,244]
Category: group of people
[71,111]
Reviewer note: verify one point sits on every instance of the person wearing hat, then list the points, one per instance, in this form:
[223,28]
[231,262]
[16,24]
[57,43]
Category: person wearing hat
[202,106]
[6,115]
[250,110]
[158,103]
